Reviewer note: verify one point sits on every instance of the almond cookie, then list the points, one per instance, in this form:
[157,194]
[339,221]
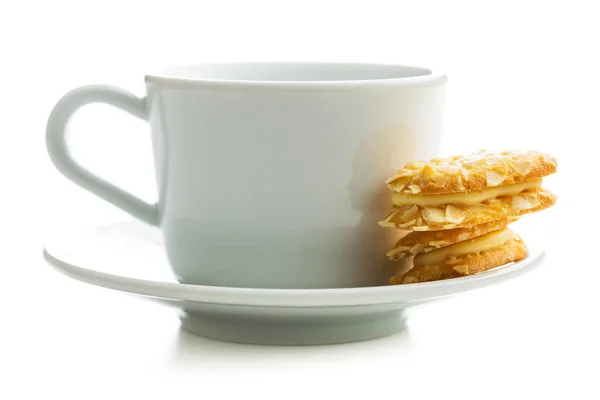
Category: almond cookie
[465,258]
[473,172]
[450,216]
[416,243]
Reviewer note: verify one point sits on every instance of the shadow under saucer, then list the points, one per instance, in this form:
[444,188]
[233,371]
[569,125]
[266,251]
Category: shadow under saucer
[192,350]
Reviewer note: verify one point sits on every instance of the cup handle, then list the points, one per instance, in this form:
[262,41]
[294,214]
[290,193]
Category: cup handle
[64,162]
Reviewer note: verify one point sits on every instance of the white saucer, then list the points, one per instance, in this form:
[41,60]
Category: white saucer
[129,257]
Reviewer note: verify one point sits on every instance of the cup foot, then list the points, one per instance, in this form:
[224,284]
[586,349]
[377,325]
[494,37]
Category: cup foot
[301,330]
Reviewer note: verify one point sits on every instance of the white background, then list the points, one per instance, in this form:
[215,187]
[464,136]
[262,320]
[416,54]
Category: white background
[521,74]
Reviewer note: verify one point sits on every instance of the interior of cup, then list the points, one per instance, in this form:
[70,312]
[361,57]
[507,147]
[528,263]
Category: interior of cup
[294,72]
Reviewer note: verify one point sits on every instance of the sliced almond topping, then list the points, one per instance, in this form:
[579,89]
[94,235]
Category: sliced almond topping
[463,236]
[406,173]
[391,179]
[407,224]
[411,211]
[417,248]
[521,167]
[440,179]
[415,164]
[532,200]
[398,252]
[420,228]
[448,169]
[386,224]
[439,243]
[391,215]
[455,214]
[429,171]
[433,214]
[461,269]
[415,189]
[524,203]
[494,178]
[452,260]
[399,188]
[519,203]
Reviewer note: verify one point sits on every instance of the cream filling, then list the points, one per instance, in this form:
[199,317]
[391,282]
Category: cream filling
[481,243]
[465,198]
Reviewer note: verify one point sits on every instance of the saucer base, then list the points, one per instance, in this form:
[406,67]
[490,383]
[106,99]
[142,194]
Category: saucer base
[298,331]
[130,258]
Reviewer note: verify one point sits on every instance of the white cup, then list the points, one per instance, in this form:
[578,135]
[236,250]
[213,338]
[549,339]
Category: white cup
[271,175]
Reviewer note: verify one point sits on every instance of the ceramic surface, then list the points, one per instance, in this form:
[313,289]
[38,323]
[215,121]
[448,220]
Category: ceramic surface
[271,175]
[129,257]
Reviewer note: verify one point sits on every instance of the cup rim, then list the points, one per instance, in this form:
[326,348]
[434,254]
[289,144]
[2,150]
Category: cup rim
[426,78]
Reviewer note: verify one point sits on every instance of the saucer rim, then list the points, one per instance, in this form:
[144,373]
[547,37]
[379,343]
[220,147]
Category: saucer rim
[297,297]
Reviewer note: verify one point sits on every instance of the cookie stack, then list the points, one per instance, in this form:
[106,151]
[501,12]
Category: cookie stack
[457,210]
